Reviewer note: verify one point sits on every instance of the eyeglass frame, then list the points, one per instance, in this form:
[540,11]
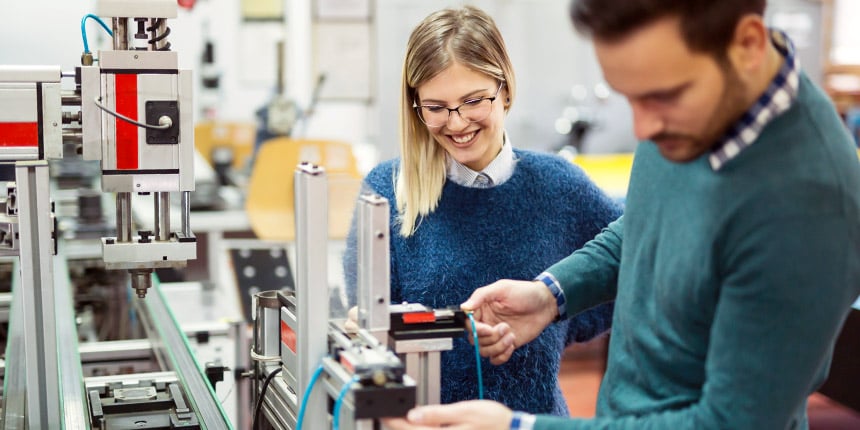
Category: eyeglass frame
[492,99]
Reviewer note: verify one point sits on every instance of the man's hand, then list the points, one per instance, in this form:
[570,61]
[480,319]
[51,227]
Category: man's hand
[509,314]
[469,415]
[350,325]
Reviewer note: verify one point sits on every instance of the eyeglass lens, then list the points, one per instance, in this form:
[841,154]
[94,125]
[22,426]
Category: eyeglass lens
[471,111]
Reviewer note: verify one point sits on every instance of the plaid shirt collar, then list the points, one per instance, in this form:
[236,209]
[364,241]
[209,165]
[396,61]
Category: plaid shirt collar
[778,98]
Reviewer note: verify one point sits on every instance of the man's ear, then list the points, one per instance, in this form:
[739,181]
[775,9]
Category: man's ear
[748,48]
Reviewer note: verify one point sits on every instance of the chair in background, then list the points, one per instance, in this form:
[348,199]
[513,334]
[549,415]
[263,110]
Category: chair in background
[225,144]
[269,201]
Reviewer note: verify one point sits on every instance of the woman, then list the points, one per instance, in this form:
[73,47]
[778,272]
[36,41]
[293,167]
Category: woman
[468,209]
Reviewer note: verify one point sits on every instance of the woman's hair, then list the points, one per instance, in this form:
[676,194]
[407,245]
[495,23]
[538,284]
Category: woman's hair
[467,36]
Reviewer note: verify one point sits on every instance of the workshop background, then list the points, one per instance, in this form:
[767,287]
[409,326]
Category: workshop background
[319,80]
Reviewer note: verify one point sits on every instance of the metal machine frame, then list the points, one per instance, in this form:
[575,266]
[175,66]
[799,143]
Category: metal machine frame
[135,116]
[359,371]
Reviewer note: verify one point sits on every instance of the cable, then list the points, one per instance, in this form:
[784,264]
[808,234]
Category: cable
[259,404]
[477,356]
[307,395]
[167,121]
[84,30]
[336,419]
[265,358]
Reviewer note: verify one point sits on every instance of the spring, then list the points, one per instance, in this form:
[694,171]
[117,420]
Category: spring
[158,41]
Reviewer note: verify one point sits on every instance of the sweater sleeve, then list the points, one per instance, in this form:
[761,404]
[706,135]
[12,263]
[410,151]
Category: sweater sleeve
[787,288]
[594,211]
[589,276]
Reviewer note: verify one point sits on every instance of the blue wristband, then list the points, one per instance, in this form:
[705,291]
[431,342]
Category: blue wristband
[522,421]
[555,289]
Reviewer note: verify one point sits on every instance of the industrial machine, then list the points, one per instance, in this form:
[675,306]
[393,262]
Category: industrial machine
[383,369]
[129,109]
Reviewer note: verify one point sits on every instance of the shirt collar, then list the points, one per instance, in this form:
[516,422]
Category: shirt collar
[777,98]
[496,173]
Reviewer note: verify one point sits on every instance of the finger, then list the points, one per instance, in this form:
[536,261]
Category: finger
[401,424]
[479,297]
[485,329]
[487,334]
[350,326]
[433,416]
[503,357]
[499,348]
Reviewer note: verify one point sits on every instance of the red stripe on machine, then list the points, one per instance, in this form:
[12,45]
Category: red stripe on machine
[288,337]
[126,133]
[19,134]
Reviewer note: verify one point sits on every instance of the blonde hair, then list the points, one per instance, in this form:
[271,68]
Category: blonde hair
[467,36]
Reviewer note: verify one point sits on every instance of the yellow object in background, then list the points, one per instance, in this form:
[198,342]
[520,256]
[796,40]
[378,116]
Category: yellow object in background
[270,199]
[237,137]
[611,172]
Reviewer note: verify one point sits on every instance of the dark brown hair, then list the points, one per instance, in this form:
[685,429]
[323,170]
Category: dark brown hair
[706,25]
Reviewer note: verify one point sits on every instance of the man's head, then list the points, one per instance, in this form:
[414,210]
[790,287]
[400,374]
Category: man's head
[688,68]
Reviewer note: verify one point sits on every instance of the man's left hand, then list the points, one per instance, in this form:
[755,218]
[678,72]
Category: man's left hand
[468,415]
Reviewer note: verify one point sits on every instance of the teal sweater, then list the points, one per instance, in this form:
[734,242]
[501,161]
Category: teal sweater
[544,212]
[733,284]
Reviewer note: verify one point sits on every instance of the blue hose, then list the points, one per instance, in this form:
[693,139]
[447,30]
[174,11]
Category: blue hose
[84,30]
[305,397]
[477,357]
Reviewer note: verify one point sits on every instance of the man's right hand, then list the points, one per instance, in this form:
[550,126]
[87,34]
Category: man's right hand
[509,314]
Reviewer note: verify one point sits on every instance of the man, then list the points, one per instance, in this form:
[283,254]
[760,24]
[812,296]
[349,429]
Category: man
[738,256]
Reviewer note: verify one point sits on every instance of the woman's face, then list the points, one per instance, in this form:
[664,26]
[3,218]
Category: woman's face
[473,144]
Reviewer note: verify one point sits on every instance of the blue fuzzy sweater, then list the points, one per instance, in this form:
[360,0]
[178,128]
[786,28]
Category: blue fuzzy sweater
[544,212]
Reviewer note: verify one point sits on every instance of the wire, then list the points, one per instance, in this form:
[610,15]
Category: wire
[229,392]
[336,419]
[84,30]
[266,358]
[164,126]
[307,395]
[477,357]
[259,404]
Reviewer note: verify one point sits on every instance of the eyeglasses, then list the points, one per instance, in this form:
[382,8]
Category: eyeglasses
[472,110]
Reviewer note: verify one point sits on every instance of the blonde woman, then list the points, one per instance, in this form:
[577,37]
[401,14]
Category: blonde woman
[467,208]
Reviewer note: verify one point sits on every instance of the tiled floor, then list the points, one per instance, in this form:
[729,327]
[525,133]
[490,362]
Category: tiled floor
[582,370]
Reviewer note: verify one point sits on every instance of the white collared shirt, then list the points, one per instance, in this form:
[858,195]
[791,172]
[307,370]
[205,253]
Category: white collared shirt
[496,173]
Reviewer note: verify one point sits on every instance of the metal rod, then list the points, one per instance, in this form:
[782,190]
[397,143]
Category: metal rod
[70,98]
[162,31]
[123,217]
[373,265]
[186,213]
[120,34]
[311,206]
[73,136]
[162,216]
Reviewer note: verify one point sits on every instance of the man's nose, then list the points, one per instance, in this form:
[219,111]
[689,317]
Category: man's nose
[646,122]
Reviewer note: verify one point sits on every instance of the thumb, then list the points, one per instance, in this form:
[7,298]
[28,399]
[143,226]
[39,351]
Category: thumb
[478,298]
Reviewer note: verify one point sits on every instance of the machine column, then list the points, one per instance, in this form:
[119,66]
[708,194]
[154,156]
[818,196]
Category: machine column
[37,290]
